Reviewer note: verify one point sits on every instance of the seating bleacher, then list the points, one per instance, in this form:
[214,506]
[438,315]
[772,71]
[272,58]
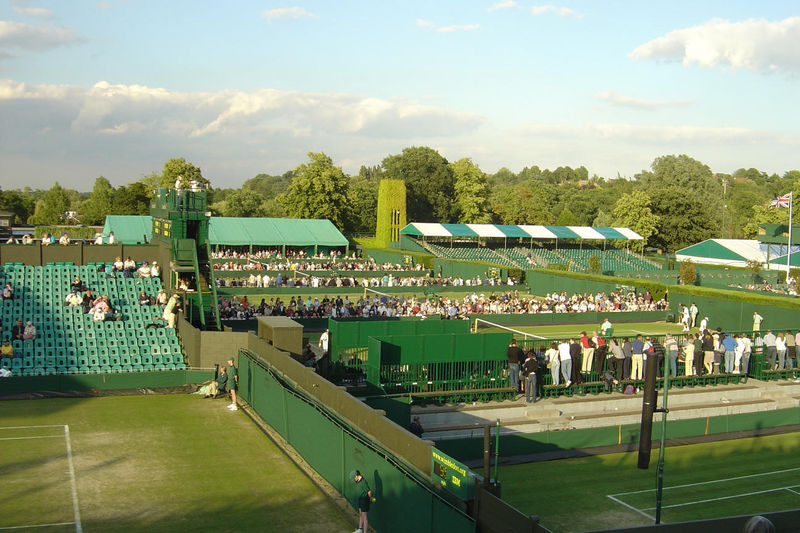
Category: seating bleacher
[68,340]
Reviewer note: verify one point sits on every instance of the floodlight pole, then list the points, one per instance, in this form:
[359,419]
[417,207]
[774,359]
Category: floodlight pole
[660,470]
[789,243]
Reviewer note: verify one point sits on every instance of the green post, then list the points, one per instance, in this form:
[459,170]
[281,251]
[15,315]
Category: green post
[496,448]
[660,472]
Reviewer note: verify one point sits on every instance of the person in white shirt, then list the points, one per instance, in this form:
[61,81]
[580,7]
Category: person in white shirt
[324,341]
[565,362]
[155,270]
[144,270]
[551,356]
[111,238]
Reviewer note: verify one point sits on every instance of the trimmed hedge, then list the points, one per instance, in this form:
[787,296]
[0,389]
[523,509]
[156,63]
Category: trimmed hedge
[74,232]
[391,197]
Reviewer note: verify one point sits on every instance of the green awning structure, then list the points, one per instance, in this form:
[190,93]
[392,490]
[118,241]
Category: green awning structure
[732,252]
[232,231]
[500,231]
[129,229]
[229,231]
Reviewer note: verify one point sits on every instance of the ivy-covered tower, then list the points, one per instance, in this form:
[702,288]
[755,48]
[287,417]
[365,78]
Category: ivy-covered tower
[391,211]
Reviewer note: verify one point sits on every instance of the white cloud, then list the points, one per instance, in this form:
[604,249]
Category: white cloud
[286,13]
[556,10]
[508,4]
[620,100]
[17,35]
[112,127]
[422,23]
[757,45]
[463,27]
[38,12]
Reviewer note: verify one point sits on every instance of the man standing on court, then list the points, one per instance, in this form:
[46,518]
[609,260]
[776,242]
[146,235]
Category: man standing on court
[514,355]
[637,346]
[693,311]
[324,339]
[233,384]
[757,319]
[606,327]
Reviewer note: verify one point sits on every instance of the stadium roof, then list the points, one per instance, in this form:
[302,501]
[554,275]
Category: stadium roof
[130,229]
[781,260]
[732,252]
[427,229]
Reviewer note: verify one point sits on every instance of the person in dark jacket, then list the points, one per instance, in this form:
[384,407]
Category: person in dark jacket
[575,352]
[515,357]
[529,369]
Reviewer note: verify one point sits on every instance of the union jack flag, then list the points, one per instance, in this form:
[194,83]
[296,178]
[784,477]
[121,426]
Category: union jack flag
[781,201]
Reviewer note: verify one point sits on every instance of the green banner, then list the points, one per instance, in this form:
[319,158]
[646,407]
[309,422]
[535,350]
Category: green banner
[452,475]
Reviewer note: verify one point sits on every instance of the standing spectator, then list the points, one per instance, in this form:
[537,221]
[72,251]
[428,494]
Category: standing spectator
[551,356]
[757,319]
[416,427]
[324,340]
[637,350]
[771,353]
[688,356]
[627,352]
[155,270]
[698,355]
[587,352]
[780,348]
[703,325]
[170,310]
[514,355]
[565,360]
[364,500]
[790,349]
[729,343]
[747,349]
[529,368]
[671,346]
[575,355]
[708,352]
[617,358]
[600,352]
[233,384]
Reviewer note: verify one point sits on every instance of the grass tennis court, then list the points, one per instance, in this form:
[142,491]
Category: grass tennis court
[709,480]
[149,463]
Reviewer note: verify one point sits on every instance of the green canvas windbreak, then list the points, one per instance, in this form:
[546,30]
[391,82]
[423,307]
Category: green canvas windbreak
[129,229]
[233,231]
[711,249]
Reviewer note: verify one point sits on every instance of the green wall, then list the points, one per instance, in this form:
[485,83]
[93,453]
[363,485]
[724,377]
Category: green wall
[115,381]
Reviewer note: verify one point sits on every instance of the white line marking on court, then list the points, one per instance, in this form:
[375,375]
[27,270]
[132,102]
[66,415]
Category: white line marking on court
[631,507]
[709,482]
[75,508]
[792,490]
[33,427]
[38,525]
[26,438]
[724,498]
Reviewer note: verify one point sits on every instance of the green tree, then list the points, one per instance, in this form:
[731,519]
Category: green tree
[318,190]
[178,167]
[633,211]
[527,203]
[429,183]
[94,210]
[595,265]
[133,199]
[18,203]
[51,209]
[684,218]
[687,273]
[683,172]
[151,182]
[566,218]
[243,203]
[603,220]
[764,215]
[471,192]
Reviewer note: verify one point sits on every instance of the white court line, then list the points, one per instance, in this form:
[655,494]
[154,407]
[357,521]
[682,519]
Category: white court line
[33,427]
[38,525]
[26,438]
[790,487]
[632,508]
[75,508]
[709,482]
[791,490]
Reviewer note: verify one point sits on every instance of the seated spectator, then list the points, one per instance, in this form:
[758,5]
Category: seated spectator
[18,331]
[11,240]
[119,265]
[27,239]
[155,270]
[98,238]
[161,298]
[111,238]
[6,350]
[47,239]
[8,292]
[144,270]
[30,331]
[416,427]
[98,314]
[144,299]
[77,285]
[130,264]
[218,385]
[74,299]
[64,240]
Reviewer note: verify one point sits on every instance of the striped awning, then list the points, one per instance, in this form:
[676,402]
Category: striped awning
[499,231]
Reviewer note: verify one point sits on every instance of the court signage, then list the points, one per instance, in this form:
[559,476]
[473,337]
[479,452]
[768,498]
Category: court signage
[452,475]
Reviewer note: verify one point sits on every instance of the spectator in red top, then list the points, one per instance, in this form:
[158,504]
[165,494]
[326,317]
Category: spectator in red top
[587,352]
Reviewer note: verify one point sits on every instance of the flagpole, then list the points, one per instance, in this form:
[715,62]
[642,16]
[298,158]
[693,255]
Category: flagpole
[789,248]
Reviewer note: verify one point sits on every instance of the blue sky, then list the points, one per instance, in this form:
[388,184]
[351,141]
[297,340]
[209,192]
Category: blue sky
[116,87]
